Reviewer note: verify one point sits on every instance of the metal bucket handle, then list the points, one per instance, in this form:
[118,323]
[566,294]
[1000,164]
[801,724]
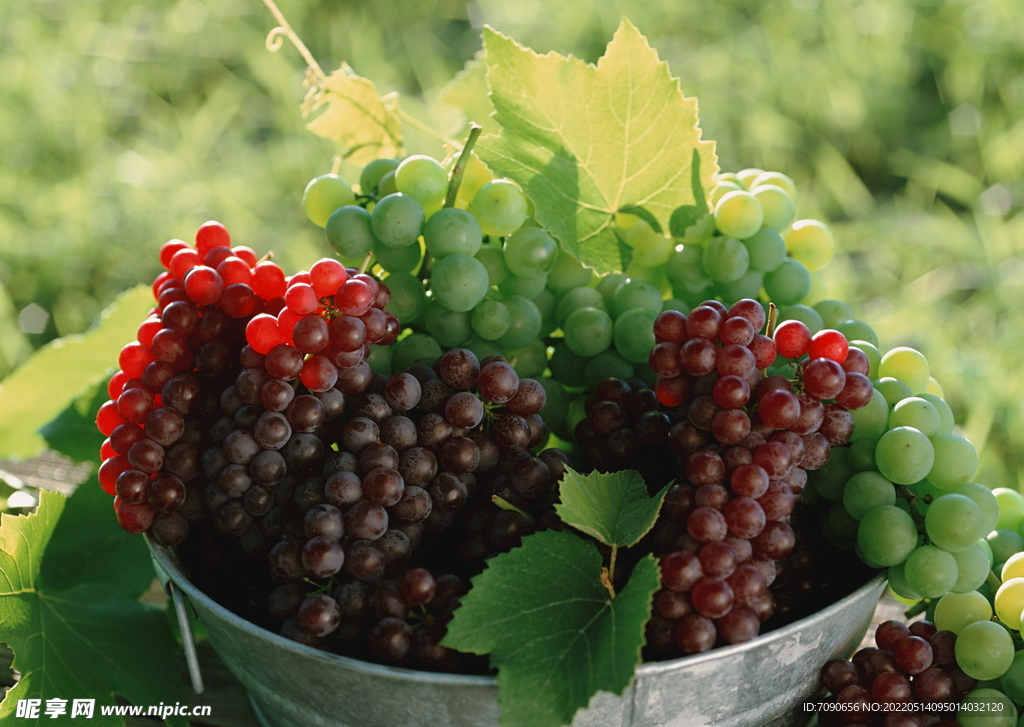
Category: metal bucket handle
[181,610]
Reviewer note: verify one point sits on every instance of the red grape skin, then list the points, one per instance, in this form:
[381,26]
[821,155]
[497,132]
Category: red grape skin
[792,338]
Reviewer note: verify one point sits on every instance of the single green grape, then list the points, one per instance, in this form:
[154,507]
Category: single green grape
[493,260]
[985,707]
[865,491]
[408,299]
[778,206]
[887,535]
[723,188]
[1012,682]
[500,207]
[588,331]
[954,522]
[634,334]
[422,178]
[1013,567]
[491,319]
[483,348]
[931,571]
[862,455]
[524,322]
[956,461]
[908,365]
[766,250]
[811,242]
[397,259]
[946,421]
[972,568]
[323,195]
[530,360]
[730,177]
[607,286]
[857,330]
[839,528]
[386,185]
[956,611]
[458,282]
[546,301]
[916,412]
[830,478]
[414,348]
[1004,543]
[739,215]
[372,173]
[748,286]
[789,283]
[568,273]
[872,420]
[379,360]
[582,297]
[607,364]
[776,179]
[397,220]
[871,351]
[449,328]
[636,293]
[725,259]
[526,287]
[892,389]
[349,231]
[451,230]
[530,252]
[898,583]
[986,502]
[833,312]
[1009,602]
[904,455]
[1011,508]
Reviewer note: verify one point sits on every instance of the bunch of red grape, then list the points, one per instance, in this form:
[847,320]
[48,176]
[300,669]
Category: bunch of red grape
[913,667]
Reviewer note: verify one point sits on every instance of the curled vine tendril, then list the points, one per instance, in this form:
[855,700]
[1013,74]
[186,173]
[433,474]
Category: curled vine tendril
[275,39]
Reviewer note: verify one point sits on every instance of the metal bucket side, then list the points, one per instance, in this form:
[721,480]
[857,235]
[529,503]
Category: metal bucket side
[758,684]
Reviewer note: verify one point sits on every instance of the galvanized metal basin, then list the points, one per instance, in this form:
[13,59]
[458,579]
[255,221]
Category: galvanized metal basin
[762,683]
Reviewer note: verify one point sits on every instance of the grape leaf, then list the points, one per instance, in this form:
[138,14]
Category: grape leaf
[613,507]
[586,141]
[356,117]
[91,641]
[73,433]
[551,628]
[468,92]
[41,388]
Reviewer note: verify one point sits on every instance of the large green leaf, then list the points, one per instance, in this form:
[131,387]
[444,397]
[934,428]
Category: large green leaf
[613,507]
[586,141]
[91,641]
[552,629]
[43,386]
[73,433]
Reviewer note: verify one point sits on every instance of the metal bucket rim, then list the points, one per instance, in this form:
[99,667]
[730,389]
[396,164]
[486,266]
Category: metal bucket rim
[168,560]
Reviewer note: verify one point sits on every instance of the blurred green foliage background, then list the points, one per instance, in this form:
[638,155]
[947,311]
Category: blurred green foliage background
[124,123]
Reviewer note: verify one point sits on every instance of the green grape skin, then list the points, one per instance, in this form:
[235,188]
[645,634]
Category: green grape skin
[777,205]
[918,413]
[526,287]
[568,273]
[862,455]
[730,177]
[725,259]
[530,252]
[566,366]
[986,707]
[739,215]
[954,522]
[449,328]
[956,461]
[908,365]
[871,351]
[1004,543]
[833,312]
[636,293]
[1011,508]
[684,268]
[1009,602]
[500,207]
[451,230]
[898,583]
[372,173]
[588,331]
[650,247]
[723,188]
[490,319]
[607,364]
[887,535]
[676,305]
[857,330]
[414,348]
[578,298]
[323,195]
[931,571]
[397,220]
[871,420]
[524,322]
[811,242]
[865,491]
[766,250]
[904,455]
[458,282]
[483,348]
[493,260]
[839,528]
[408,299]
[776,179]
[546,301]
[397,259]
[788,284]
[972,568]
[892,389]
[946,420]
[633,334]
[530,360]
[829,479]
[386,185]
[955,611]
[1012,682]
[380,360]
[748,286]
[349,231]
[555,404]
[575,412]
[422,178]
[986,502]
[805,314]
[607,286]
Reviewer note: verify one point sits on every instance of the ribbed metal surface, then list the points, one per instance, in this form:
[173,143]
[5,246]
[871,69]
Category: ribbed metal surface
[762,683]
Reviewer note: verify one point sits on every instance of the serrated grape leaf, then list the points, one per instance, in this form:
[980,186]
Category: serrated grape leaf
[91,641]
[73,433]
[364,124]
[551,628]
[614,507]
[586,141]
[468,92]
[40,389]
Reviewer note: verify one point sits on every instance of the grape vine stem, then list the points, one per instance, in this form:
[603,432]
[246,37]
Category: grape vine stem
[460,164]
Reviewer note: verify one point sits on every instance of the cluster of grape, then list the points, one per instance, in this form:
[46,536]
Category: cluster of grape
[913,666]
